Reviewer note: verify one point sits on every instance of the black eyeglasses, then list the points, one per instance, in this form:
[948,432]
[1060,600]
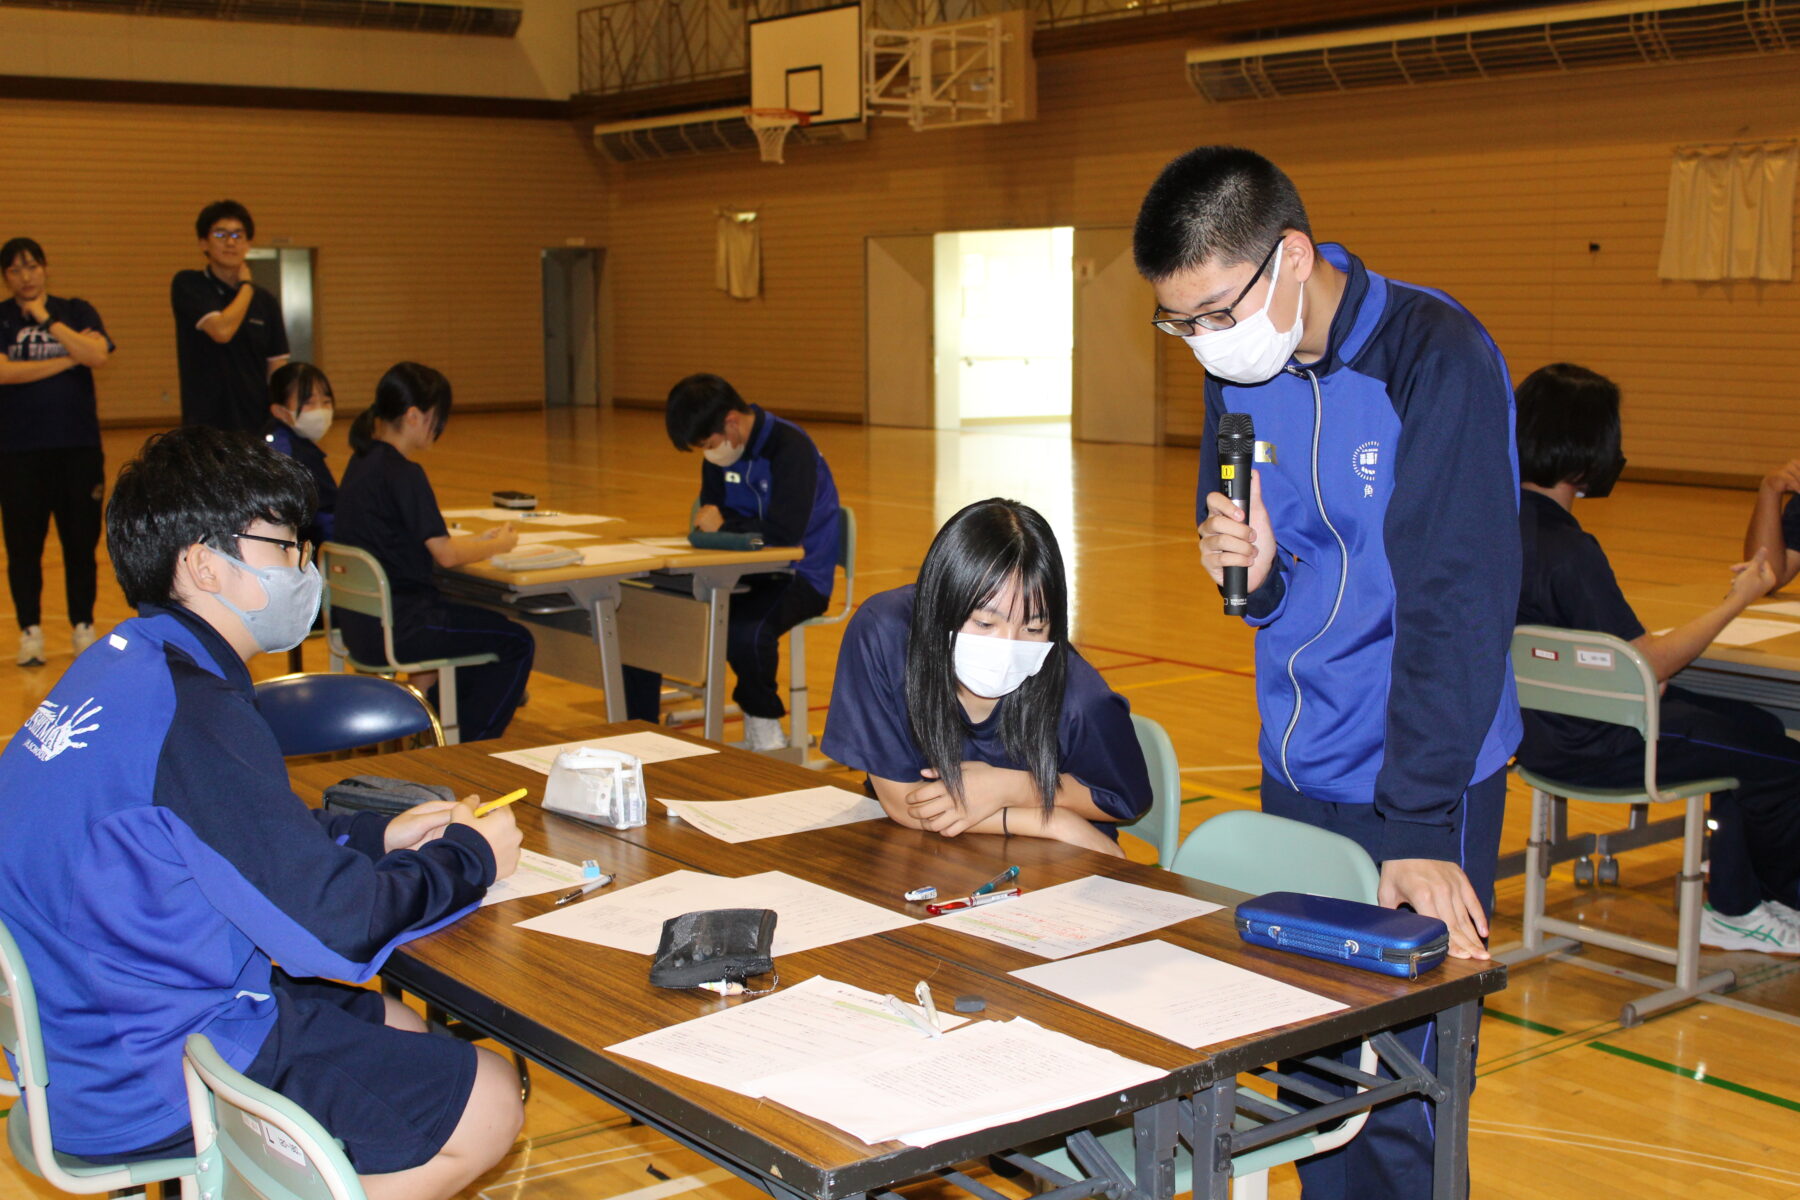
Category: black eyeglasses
[229,235]
[304,549]
[1216,319]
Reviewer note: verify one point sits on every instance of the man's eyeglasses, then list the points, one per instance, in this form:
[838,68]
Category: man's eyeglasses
[229,235]
[303,548]
[1215,319]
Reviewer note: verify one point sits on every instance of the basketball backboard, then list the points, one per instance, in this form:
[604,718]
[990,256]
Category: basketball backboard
[810,63]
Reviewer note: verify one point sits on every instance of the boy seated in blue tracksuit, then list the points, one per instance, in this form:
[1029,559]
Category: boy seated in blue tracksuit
[1381,545]
[762,476]
[153,859]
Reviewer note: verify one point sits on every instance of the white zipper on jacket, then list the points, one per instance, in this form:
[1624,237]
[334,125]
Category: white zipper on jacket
[1343,576]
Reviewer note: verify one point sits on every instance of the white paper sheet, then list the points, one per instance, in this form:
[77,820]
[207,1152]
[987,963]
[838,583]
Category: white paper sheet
[987,1074]
[775,815]
[666,543]
[536,874]
[631,919]
[818,1021]
[1075,917]
[1178,994]
[1746,631]
[538,537]
[649,747]
[605,554]
[1786,608]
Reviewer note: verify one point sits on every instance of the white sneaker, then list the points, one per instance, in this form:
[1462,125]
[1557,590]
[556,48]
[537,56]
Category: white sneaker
[762,734]
[31,646]
[83,637]
[1762,929]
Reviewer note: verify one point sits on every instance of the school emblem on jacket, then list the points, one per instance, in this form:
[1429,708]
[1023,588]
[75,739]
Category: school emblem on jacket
[53,728]
[1366,459]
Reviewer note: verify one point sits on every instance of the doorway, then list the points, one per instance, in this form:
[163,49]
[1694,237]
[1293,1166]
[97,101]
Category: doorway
[571,285]
[1004,316]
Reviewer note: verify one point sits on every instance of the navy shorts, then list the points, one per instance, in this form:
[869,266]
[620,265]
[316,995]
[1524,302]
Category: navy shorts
[393,1098]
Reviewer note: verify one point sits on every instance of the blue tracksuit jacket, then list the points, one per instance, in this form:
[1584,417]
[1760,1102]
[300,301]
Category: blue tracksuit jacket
[153,860]
[781,488]
[1382,673]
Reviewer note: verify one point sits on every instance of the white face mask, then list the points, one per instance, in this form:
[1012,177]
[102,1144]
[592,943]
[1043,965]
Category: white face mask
[313,423]
[1252,351]
[992,667]
[722,455]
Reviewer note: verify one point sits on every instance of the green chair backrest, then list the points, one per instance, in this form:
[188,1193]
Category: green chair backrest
[1579,674]
[1161,825]
[1257,852]
[253,1143]
[356,581]
[20,1035]
[847,553]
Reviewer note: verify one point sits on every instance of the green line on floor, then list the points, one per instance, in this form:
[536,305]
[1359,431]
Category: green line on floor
[1521,1022]
[1197,797]
[1686,1073]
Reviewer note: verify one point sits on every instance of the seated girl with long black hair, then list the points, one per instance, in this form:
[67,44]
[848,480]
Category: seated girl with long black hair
[962,698]
[386,506]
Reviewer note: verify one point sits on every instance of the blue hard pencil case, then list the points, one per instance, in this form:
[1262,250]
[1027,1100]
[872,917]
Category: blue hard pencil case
[1369,936]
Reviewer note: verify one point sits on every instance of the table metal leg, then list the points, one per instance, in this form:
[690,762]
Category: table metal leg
[1456,1072]
[718,603]
[1154,1137]
[603,603]
[1214,1110]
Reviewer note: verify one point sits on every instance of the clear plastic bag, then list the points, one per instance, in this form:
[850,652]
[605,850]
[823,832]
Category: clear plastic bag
[602,786]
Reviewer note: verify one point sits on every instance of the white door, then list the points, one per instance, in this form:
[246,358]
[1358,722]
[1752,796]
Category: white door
[1116,398]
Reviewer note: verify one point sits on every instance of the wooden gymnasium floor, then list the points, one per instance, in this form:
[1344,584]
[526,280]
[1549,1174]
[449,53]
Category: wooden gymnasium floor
[1703,1101]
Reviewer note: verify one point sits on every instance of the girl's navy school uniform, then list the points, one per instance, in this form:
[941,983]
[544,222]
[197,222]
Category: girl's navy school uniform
[385,505]
[869,728]
[308,454]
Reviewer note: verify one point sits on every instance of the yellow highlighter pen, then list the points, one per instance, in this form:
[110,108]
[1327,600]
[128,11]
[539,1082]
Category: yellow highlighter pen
[502,802]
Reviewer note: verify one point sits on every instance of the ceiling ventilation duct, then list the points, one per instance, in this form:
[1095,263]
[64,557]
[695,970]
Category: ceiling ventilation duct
[492,18]
[1527,42]
[711,131]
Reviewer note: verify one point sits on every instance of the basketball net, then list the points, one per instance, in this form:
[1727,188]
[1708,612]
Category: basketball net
[772,126]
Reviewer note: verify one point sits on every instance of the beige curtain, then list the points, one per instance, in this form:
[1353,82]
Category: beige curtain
[1731,213]
[738,262]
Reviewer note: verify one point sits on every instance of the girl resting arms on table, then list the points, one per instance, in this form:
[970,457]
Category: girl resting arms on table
[962,698]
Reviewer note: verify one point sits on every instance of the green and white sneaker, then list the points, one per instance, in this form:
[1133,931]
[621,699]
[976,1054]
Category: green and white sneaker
[1765,929]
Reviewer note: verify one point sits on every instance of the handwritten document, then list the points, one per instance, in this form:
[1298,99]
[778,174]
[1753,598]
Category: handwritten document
[1078,916]
[775,815]
[536,874]
[631,919]
[1178,994]
[989,1073]
[818,1021]
[649,748]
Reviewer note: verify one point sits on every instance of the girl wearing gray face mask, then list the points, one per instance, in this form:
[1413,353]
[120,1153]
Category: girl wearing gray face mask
[965,702]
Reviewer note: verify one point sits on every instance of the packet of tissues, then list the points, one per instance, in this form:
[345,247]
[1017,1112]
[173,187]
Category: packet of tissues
[602,786]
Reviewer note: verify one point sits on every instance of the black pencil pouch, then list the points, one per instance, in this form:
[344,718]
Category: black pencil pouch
[373,793]
[718,945]
[1369,936]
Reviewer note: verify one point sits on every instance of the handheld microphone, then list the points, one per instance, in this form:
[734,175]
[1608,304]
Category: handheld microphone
[1237,451]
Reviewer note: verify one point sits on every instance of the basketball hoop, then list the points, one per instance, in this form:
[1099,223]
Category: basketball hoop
[772,126]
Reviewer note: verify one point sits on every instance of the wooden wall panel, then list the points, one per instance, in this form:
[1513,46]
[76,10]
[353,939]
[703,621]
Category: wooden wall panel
[427,232]
[1491,191]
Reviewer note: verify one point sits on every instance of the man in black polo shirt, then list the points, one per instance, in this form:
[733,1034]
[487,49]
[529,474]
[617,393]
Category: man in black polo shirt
[50,460]
[229,336]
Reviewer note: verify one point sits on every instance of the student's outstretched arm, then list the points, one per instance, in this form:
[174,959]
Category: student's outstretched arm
[1769,520]
[1670,652]
[448,552]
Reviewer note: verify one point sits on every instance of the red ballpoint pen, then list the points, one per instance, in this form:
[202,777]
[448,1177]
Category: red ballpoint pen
[973,901]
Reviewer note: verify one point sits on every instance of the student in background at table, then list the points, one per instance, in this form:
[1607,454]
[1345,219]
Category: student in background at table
[148,773]
[51,466]
[963,699]
[1775,523]
[386,506]
[301,406]
[762,475]
[1569,448]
